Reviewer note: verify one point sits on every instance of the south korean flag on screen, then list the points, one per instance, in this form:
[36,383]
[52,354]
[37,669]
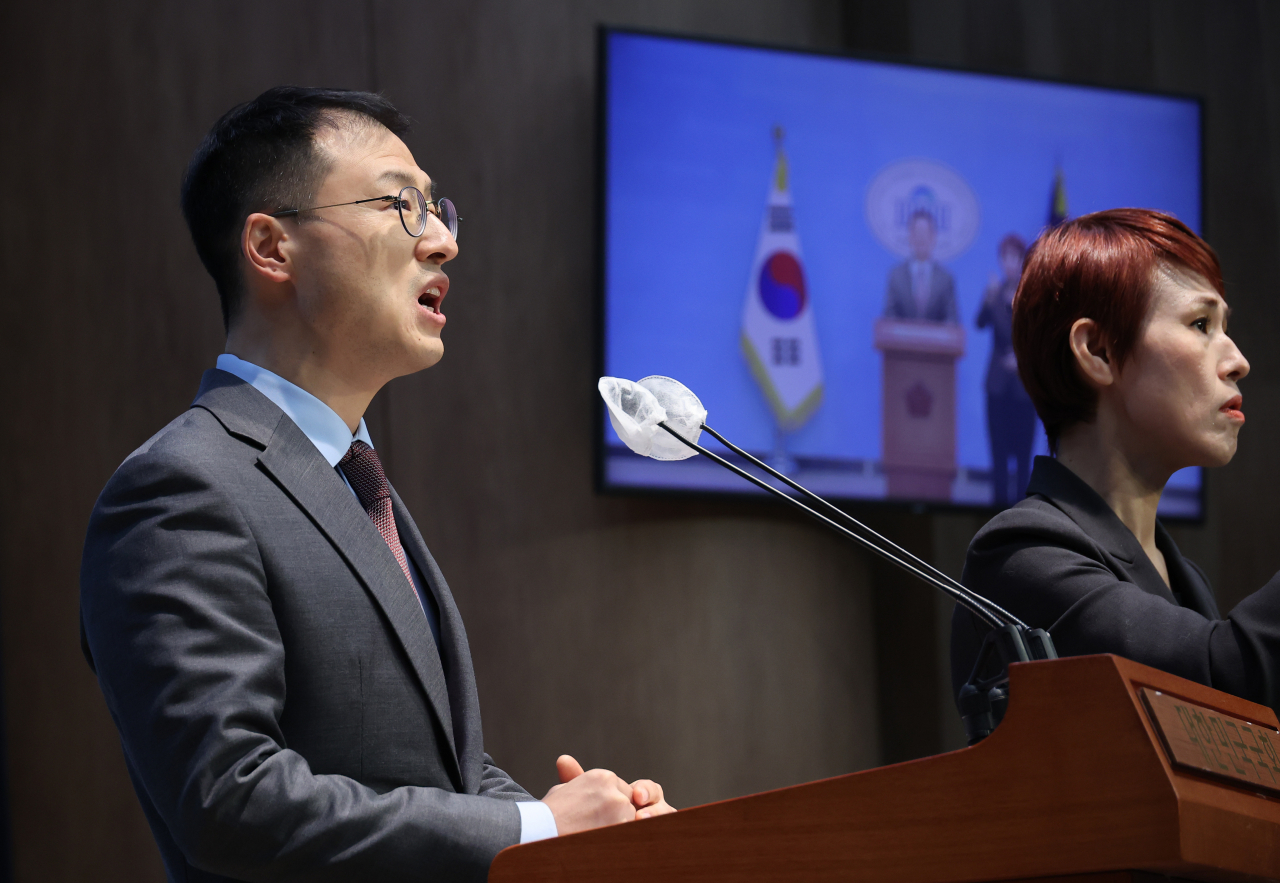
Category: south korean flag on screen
[778,335]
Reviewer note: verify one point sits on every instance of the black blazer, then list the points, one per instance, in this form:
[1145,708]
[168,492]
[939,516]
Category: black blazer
[1061,560]
[284,711]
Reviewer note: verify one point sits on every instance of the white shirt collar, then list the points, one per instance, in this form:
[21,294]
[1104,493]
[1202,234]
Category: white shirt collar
[318,421]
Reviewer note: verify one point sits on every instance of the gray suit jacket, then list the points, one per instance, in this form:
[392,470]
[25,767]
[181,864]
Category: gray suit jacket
[1061,560]
[900,301]
[283,708]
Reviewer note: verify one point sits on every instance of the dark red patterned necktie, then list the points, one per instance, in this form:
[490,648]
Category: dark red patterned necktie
[363,470]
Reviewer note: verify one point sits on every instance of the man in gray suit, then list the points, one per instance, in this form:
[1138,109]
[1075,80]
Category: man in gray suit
[284,661]
[920,287]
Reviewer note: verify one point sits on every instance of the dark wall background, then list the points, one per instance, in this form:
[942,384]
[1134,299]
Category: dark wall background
[719,648]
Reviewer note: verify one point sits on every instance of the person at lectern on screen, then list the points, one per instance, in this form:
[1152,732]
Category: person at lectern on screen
[1011,418]
[284,661]
[1120,330]
[920,287]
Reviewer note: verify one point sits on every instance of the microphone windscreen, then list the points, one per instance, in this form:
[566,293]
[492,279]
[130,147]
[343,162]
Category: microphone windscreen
[636,409]
[685,415]
[633,411]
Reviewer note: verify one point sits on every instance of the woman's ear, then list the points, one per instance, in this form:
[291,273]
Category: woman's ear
[1090,350]
[263,243]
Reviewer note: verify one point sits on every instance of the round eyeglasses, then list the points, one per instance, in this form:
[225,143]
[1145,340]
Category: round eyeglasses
[412,205]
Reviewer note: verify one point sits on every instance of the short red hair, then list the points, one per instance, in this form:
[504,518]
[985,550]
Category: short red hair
[1101,267]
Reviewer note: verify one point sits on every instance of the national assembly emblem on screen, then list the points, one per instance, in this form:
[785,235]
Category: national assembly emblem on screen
[915,187]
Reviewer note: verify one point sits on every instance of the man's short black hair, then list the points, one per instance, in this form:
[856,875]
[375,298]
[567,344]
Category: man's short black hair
[261,157]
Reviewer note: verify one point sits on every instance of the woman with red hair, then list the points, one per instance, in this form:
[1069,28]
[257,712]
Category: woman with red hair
[1120,332]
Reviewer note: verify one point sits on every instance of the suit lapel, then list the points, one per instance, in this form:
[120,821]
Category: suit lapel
[1196,593]
[1085,507]
[295,464]
[936,304]
[903,291]
[454,650]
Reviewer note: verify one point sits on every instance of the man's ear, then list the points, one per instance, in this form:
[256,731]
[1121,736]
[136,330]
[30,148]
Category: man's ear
[1090,350]
[264,242]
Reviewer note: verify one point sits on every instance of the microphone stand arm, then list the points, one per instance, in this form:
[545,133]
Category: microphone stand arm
[998,612]
[984,697]
[960,595]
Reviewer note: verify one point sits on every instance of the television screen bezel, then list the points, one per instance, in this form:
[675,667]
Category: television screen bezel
[599,447]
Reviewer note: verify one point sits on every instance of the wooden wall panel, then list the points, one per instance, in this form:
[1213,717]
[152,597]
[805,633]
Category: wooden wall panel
[662,638]
[108,322]
[722,648]
[653,637]
[1227,54]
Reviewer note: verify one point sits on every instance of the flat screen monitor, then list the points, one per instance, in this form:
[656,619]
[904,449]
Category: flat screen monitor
[824,249]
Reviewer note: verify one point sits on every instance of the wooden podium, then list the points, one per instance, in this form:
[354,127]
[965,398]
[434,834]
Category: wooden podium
[918,425]
[1103,771]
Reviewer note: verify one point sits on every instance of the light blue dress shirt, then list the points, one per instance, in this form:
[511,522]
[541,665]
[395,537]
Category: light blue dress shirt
[330,435]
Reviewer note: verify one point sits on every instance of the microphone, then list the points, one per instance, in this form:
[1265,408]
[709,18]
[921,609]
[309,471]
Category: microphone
[661,418]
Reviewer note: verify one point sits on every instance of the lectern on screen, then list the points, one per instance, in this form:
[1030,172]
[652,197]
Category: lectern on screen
[808,241]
